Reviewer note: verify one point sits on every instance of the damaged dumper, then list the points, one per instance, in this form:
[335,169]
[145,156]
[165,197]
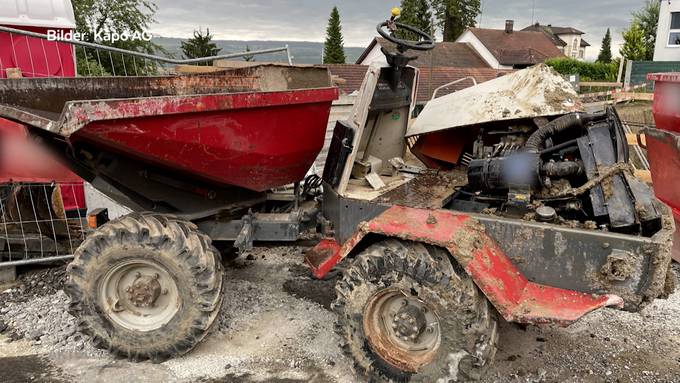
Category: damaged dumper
[525,209]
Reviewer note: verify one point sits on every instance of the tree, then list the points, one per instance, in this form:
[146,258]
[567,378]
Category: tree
[455,16]
[648,20]
[121,17]
[200,45]
[248,58]
[634,43]
[605,55]
[334,50]
[416,13]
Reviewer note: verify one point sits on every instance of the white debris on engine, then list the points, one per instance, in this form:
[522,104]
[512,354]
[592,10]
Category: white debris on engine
[535,92]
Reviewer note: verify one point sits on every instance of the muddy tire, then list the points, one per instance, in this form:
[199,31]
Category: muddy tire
[406,313]
[145,286]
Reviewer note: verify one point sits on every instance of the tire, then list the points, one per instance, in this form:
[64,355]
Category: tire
[426,279]
[177,311]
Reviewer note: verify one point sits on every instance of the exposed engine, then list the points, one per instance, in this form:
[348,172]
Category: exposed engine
[573,168]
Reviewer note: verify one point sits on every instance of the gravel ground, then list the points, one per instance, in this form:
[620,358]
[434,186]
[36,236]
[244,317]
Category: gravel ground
[275,326]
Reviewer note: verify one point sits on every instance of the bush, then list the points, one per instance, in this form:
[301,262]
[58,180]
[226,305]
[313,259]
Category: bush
[596,71]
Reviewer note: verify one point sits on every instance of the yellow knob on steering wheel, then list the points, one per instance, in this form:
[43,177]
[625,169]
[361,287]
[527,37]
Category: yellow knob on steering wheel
[396,12]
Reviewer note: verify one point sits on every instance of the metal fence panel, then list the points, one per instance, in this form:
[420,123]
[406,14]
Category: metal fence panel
[636,71]
[35,225]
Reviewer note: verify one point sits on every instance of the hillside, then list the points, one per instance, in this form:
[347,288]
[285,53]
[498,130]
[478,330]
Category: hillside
[303,52]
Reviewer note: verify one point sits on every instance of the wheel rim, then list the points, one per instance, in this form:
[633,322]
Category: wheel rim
[139,295]
[402,329]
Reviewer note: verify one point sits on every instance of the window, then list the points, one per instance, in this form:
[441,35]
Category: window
[674,38]
[574,47]
[581,53]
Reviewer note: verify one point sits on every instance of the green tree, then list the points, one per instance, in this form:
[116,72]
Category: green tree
[97,18]
[605,55]
[334,50]
[455,16]
[648,20]
[201,45]
[634,47]
[416,13]
[248,58]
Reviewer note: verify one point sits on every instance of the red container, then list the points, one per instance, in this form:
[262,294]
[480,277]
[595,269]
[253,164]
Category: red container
[663,145]
[256,128]
[256,141]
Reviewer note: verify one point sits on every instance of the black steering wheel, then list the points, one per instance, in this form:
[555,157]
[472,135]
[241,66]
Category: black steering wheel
[426,44]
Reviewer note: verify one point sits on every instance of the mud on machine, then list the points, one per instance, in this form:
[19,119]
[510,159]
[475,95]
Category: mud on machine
[533,217]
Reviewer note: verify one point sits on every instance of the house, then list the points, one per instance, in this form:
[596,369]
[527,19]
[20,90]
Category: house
[567,39]
[444,54]
[668,32]
[510,49]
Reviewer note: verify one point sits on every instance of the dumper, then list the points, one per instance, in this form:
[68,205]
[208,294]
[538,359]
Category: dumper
[534,217]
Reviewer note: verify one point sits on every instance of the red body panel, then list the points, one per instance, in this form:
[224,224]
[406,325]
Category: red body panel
[257,141]
[515,298]
[663,144]
[36,57]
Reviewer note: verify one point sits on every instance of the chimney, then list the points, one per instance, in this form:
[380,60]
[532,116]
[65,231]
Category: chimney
[509,25]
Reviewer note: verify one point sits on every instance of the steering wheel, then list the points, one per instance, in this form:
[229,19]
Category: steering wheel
[426,44]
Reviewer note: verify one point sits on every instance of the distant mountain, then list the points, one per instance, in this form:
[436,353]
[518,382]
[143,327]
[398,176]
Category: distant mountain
[303,52]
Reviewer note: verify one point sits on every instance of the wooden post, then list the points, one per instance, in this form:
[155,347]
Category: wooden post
[621,63]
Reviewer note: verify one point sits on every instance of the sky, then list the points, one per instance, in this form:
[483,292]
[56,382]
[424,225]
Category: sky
[305,20]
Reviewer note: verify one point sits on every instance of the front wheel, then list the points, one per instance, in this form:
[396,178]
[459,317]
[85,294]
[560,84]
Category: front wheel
[146,286]
[406,314]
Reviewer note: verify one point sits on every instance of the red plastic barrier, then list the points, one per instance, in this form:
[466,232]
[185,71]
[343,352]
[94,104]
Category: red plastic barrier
[20,161]
[663,145]
[35,57]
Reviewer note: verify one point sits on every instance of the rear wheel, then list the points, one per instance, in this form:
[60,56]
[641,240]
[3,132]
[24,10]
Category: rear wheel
[406,314]
[146,286]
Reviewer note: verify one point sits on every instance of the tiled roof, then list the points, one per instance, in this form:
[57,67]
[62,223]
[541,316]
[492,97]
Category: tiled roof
[518,47]
[554,32]
[449,54]
[430,78]
[351,75]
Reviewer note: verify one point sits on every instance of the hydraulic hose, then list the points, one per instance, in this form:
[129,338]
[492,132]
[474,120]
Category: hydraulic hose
[536,142]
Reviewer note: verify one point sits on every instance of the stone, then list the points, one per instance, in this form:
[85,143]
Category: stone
[8,274]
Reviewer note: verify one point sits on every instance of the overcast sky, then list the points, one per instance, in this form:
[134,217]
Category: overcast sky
[305,20]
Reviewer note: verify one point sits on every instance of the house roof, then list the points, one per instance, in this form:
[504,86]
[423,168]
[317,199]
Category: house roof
[352,76]
[518,47]
[444,54]
[554,33]
[430,78]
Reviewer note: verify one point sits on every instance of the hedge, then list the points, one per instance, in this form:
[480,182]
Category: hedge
[587,71]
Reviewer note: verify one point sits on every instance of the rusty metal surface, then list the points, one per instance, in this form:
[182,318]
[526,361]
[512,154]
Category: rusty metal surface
[78,101]
[431,190]
[537,91]
[51,94]
[402,329]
